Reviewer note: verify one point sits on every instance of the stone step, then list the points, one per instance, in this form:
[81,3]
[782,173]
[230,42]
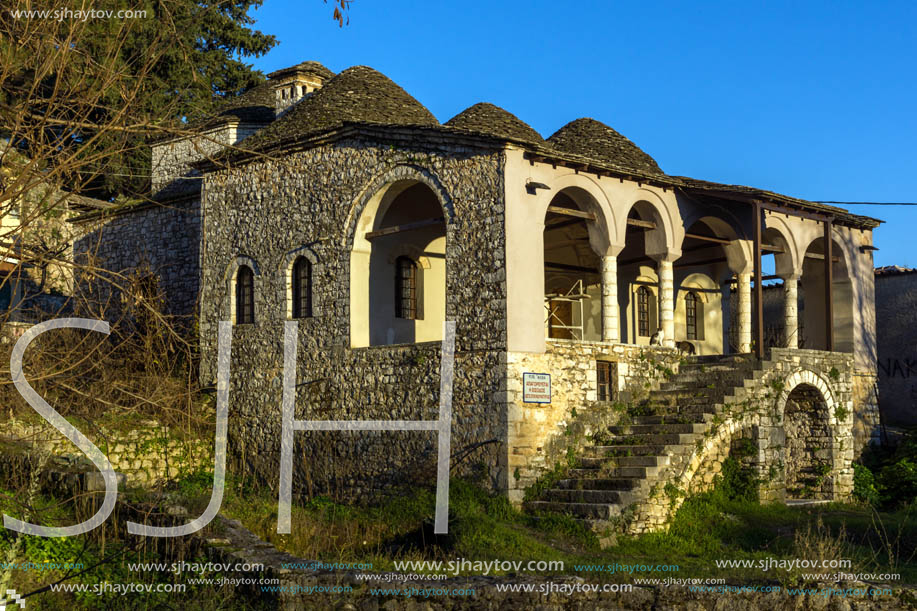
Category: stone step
[596,497]
[655,439]
[590,511]
[689,393]
[702,382]
[606,452]
[601,483]
[611,470]
[685,410]
[593,463]
[693,418]
[661,428]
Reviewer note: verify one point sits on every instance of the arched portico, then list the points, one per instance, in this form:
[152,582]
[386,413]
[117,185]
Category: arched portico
[649,229]
[398,260]
[576,245]
[827,314]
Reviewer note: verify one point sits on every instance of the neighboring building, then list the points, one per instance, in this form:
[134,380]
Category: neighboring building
[350,208]
[36,245]
[896,338]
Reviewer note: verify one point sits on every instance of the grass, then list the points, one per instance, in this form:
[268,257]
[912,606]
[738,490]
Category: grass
[95,562]
[725,524]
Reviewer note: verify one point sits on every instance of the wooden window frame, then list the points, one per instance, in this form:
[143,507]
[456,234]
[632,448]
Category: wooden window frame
[644,295]
[302,288]
[691,300]
[245,295]
[605,374]
[406,284]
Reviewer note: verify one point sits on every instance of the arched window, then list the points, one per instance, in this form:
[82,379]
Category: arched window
[691,316]
[302,288]
[405,288]
[245,296]
[643,311]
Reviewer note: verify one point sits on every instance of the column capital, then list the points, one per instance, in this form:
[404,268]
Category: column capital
[614,250]
[669,256]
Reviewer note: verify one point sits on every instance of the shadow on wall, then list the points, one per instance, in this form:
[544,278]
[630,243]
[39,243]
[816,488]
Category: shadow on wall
[407,268]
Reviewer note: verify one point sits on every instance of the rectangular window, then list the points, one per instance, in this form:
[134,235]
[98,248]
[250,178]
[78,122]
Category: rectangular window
[245,296]
[691,316]
[604,376]
[643,311]
[302,288]
[406,289]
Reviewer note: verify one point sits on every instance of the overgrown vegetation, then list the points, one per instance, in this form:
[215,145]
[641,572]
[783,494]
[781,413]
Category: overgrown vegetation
[725,523]
[887,478]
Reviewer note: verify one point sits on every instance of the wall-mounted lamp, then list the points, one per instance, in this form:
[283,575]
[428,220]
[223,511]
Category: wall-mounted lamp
[867,248]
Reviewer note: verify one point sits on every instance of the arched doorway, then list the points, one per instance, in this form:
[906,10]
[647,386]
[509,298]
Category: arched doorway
[398,267]
[809,445]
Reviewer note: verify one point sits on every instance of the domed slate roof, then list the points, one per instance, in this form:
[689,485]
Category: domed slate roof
[492,120]
[358,95]
[591,138]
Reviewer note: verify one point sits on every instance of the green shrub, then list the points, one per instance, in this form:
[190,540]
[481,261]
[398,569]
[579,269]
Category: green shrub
[898,483]
[864,485]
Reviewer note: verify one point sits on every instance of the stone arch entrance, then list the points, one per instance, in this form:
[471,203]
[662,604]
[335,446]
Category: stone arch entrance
[811,437]
[809,441]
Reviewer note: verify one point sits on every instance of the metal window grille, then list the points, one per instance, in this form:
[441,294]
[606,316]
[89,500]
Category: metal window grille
[643,311]
[302,288]
[405,288]
[691,315]
[245,296]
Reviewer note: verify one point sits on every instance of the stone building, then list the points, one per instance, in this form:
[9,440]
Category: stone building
[346,205]
[896,337]
[36,241]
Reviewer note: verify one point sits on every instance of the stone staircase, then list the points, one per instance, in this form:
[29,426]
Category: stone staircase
[623,465]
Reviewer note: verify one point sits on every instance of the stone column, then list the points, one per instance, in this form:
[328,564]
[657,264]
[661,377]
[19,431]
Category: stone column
[744,291]
[667,301]
[790,313]
[610,329]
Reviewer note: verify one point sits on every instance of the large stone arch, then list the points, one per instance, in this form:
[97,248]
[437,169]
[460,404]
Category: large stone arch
[811,432]
[370,205]
[366,215]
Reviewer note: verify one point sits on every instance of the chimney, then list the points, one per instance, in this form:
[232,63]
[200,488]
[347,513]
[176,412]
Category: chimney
[296,83]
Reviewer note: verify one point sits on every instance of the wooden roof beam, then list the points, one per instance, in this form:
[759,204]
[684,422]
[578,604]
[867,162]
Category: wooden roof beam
[406,227]
[571,212]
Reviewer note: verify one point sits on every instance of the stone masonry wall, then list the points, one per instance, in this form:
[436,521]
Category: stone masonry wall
[539,435]
[163,240]
[171,159]
[896,339]
[146,455]
[311,200]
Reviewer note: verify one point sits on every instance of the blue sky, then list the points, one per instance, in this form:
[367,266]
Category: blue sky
[814,100]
